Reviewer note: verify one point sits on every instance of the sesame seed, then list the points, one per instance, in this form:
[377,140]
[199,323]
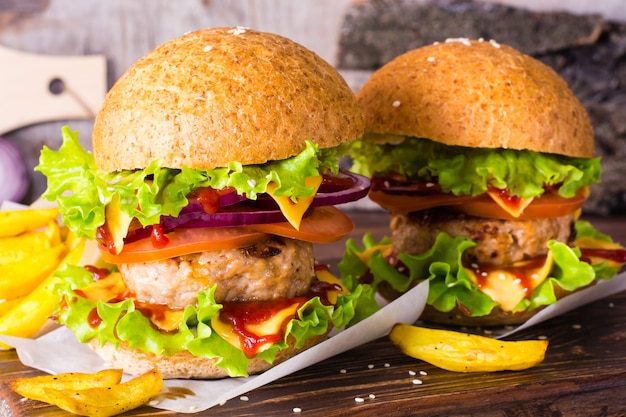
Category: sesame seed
[542,337]
[154,403]
[343,371]
[387,365]
[207,48]
[464,41]
[423,373]
[297,410]
[370,366]
[611,305]
[396,103]
[412,373]
[359,399]
[244,398]
[494,44]
[238,30]
[372,396]
[576,326]
[430,59]
[194,407]
[252,183]
[417,382]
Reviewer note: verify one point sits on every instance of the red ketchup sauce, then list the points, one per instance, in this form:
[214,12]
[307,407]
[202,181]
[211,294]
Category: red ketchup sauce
[209,197]
[510,200]
[239,315]
[615,255]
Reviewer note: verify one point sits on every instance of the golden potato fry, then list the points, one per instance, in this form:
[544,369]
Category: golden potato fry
[108,401]
[16,248]
[463,352]
[33,387]
[6,305]
[15,222]
[19,278]
[28,317]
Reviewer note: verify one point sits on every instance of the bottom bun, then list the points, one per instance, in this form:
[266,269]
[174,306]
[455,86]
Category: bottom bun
[184,365]
[456,317]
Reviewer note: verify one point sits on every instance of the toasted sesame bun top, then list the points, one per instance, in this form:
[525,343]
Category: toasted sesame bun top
[220,95]
[477,94]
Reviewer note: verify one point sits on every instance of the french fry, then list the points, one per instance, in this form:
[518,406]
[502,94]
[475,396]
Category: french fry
[33,387]
[6,305]
[109,401]
[19,278]
[464,352]
[28,317]
[15,222]
[16,248]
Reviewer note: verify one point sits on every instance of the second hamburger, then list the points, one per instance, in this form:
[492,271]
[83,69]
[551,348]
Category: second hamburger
[483,156]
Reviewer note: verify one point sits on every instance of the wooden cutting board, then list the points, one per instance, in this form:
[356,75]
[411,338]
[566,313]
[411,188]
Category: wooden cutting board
[38,88]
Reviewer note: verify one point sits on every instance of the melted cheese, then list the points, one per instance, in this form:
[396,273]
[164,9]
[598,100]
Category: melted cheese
[593,243]
[113,287]
[506,288]
[326,276]
[294,211]
[105,289]
[274,325]
[365,256]
[514,210]
[117,223]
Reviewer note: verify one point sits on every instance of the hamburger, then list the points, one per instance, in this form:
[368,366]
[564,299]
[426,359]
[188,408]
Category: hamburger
[215,170]
[484,157]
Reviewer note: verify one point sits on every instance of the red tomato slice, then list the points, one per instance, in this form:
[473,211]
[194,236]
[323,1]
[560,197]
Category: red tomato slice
[549,205]
[325,224]
[183,242]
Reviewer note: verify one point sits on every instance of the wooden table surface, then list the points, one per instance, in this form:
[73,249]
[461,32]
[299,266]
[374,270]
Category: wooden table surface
[584,372]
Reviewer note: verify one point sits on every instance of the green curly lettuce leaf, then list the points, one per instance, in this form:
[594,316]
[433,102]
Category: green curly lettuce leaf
[122,322]
[449,283]
[82,192]
[468,171]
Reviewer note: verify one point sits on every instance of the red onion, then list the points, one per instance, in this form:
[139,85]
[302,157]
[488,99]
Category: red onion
[358,188]
[342,189]
[13,177]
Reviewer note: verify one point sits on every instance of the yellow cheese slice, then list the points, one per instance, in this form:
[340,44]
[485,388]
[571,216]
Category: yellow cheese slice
[513,211]
[590,242]
[170,321]
[365,256]
[117,222]
[294,212]
[269,327]
[326,276]
[274,324]
[504,287]
[105,289]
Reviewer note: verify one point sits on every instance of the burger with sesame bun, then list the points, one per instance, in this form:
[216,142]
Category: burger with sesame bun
[214,172]
[483,157]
